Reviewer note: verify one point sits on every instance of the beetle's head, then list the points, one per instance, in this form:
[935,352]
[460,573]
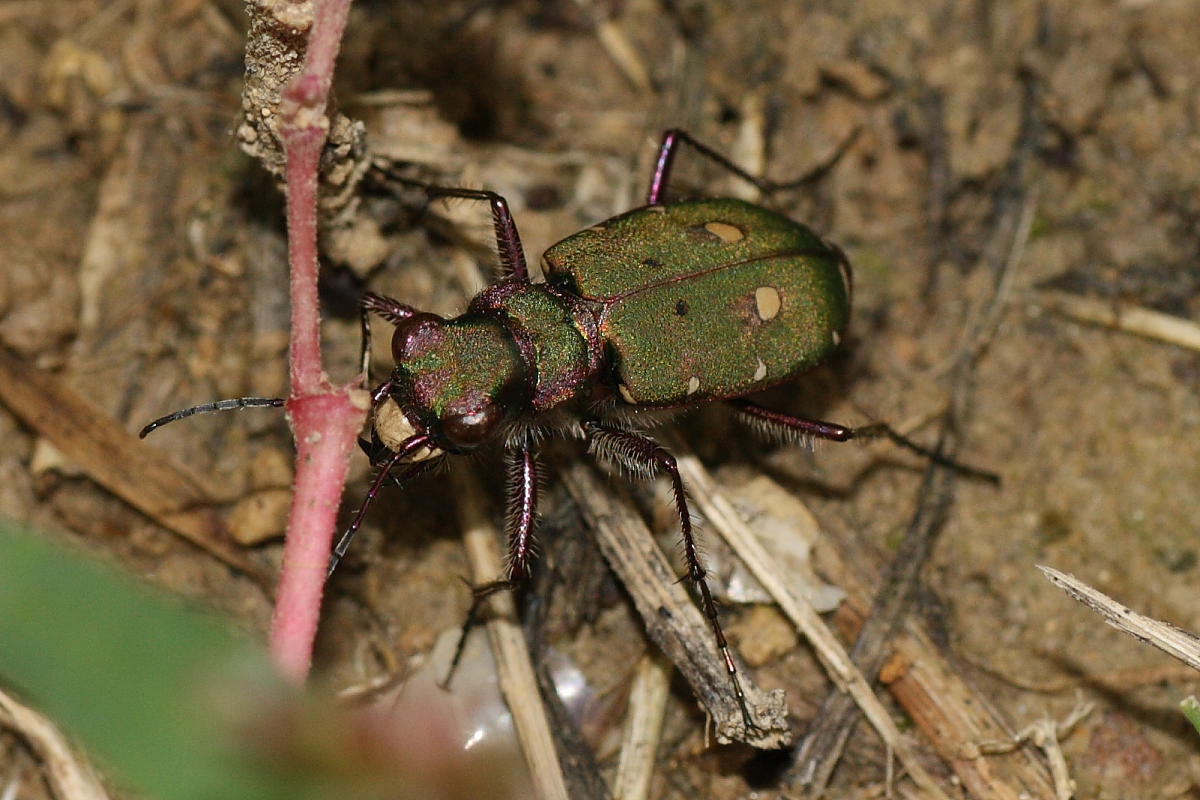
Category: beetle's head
[458,380]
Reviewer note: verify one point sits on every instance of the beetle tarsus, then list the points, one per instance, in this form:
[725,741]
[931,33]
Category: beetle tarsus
[883,430]
[479,596]
[812,428]
[676,136]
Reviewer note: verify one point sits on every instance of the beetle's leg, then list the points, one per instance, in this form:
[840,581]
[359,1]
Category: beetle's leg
[812,428]
[508,240]
[379,454]
[674,137]
[521,512]
[643,455]
[392,310]
[799,427]
[407,448]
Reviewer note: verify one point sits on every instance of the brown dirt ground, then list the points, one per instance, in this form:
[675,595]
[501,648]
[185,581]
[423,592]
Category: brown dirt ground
[144,264]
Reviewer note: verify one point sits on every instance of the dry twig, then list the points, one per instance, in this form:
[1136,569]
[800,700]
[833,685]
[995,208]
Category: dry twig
[150,481]
[1130,319]
[722,516]
[1171,640]
[71,777]
[643,728]
[672,620]
[1045,735]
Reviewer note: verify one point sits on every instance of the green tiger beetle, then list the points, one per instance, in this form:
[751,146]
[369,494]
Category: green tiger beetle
[667,306]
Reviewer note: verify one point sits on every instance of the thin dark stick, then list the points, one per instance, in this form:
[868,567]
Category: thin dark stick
[233,404]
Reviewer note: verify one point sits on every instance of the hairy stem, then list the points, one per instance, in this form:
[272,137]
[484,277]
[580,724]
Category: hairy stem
[324,418]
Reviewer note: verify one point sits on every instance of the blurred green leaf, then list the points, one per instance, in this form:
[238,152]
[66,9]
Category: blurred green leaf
[180,707]
[135,674]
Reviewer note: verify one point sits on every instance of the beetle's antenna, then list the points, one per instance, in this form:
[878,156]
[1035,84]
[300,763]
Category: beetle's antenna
[233,404]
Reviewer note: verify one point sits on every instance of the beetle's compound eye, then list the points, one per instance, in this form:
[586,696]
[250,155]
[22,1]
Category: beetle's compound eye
[470,428]
[415,335]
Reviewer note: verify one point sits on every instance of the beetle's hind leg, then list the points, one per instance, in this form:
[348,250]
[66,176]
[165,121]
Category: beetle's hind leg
[816,429]
[643,455]
[675,137]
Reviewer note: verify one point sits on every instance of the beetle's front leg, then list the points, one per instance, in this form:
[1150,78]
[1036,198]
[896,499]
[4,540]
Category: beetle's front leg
[643,455]
[392,310]
[407,448]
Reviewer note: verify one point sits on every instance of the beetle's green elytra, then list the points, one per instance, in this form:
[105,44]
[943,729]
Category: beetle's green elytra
[706,299]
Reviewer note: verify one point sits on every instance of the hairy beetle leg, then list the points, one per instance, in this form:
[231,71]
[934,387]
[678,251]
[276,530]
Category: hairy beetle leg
[508,239]
[643,454]
[392,310]
[521,511]
[840,433]
[408,447]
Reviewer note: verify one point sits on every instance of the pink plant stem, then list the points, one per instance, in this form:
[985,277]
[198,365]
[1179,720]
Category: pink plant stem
[325,419]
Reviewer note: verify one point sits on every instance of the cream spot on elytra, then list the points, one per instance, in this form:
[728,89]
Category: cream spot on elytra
[724,231]
[837,338]
[693,385]
[625,393]
[767,302]
[761,371]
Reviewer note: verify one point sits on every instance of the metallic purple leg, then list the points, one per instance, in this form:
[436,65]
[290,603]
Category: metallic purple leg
[508,240]
[392,310]
[408,447]
[799,425]
[662,167]
[522,515]
[674,137]
[643,454]
[813,428]
[522,511]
